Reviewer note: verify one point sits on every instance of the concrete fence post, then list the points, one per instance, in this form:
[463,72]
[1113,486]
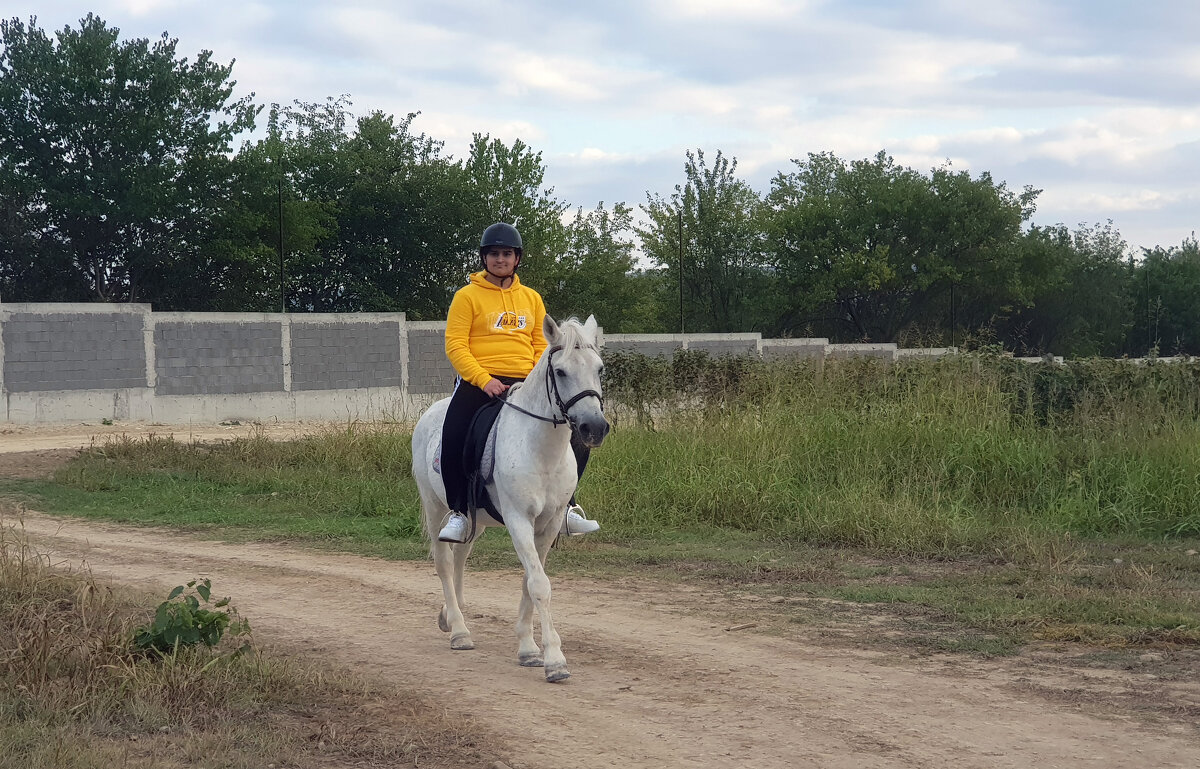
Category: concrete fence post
[285,337]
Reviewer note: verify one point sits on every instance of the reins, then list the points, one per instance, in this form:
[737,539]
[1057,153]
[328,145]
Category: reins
[557,401]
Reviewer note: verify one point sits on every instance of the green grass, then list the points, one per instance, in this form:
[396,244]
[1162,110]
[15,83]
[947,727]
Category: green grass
[349,488]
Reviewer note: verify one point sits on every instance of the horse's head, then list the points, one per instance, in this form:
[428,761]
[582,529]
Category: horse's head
[574,376]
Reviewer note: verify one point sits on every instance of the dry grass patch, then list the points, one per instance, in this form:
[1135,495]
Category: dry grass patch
[75,694]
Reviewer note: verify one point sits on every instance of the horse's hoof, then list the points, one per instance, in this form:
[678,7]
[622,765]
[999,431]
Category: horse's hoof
[462,642]
[560,673]
[530,660]
[443,625]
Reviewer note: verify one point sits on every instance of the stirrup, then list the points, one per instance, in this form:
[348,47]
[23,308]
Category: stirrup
[575,524]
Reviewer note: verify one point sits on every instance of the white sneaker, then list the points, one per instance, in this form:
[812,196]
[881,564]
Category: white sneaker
[455,529]
[575,525]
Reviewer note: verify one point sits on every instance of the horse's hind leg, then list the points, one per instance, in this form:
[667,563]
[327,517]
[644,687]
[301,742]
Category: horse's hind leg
[529,654]
[449,568]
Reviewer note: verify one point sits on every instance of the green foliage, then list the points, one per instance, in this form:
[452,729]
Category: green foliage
[1078,302]
[504,183]
[372,214]
[722,255]
[916,456]
[868,248]
[113,160]
[75,694]
[594,273]
[1166,301]
[190,617]
[343,486]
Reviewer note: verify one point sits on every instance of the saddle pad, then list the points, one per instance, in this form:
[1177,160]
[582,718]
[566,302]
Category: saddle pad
[487,461]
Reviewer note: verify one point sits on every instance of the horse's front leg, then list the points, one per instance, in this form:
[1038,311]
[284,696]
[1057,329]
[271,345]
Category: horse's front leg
[536,594]
[450,562]
[529,654]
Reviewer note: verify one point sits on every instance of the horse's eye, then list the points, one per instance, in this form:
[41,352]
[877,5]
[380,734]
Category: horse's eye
[601,371]
[560,372]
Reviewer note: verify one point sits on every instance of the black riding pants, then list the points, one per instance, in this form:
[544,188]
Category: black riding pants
[468,399]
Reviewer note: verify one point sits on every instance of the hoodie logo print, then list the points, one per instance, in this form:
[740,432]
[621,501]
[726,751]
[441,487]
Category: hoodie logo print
[509,321]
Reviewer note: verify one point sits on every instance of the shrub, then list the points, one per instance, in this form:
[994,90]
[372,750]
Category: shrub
[181,620]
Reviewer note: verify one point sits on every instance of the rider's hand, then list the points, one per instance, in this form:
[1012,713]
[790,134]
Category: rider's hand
[494,388]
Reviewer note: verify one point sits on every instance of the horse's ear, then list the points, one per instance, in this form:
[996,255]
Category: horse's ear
[550,329]
[591,326]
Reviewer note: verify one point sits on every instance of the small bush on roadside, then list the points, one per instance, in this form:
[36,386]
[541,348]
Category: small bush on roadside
[182,620]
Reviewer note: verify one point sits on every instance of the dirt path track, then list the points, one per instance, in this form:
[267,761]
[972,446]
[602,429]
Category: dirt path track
[657,682]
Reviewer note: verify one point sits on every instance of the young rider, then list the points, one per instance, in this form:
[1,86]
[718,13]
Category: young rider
[493,340]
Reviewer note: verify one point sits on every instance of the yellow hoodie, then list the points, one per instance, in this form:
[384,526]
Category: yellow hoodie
[493,331]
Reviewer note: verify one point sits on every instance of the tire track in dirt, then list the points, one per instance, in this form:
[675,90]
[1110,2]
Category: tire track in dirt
[656,682]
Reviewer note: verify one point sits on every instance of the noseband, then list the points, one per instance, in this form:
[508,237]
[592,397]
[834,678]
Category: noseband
[555,399]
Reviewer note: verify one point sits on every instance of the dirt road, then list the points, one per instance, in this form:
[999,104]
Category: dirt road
[659,680]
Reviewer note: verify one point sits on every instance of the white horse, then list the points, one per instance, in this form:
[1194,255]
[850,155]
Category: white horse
[531,484]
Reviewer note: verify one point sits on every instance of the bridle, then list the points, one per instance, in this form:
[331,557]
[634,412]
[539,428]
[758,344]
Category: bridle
[555,399]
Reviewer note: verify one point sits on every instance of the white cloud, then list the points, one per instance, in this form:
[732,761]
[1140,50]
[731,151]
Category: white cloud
[145,7]
[1140,200]
[735,9]
[571,80]
[594,155]
[1084,200]
[394,39]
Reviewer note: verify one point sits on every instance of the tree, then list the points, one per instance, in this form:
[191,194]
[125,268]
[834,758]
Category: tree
[866,249]
[596,273]
[1166,300]
[506,184]
[721,266]
[372,214]
[1080,301]
[113,159]
[402,220]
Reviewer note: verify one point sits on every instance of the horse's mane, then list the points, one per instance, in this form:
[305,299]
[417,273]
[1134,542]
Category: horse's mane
[571,338]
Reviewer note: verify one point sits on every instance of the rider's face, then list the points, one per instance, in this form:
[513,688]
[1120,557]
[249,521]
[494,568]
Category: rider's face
[500,261]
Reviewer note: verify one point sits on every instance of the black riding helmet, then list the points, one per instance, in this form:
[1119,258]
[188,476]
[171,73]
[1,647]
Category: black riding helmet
[501,234]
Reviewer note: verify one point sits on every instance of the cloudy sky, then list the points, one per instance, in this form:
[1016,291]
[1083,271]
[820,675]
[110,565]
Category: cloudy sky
[1095,102]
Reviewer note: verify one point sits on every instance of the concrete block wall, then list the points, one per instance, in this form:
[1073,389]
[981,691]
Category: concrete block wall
[924,352]
[718,345]
[95,350]
[651,345]
[794,349]
[885,351]
[219,358]
[665,345]
[341,356]
[87,362]
[430,372]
